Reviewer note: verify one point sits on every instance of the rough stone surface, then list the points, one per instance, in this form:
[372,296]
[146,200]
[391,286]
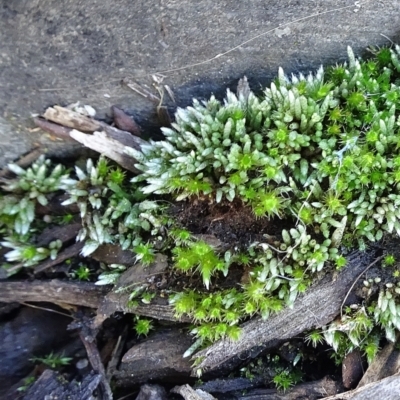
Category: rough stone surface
[59,52]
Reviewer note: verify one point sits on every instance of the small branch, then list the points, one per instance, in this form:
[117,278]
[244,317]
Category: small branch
[358,277]
[54,129]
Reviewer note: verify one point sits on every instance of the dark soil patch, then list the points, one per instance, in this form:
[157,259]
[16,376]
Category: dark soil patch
[233,223]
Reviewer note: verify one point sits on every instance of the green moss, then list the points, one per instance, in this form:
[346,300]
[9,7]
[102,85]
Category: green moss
[319,152]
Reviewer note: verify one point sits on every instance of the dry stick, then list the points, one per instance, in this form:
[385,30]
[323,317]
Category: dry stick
[333,10]
[358,277]
[46,309]
[322,302]
[95,361]
[24,161]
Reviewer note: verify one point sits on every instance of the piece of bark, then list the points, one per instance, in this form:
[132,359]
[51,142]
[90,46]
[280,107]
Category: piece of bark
[152,392]
[54,129]
[24,162]
[71,119]
[63,255]
[123,137]
[113,254]
[352,369]
[117,300]
[125,122]
[52,385]
[385,389]
[386,363]
[158,357]
[103,144]
[317,307]
[65,233]
[304,391]
[234,384]
[84,294]
[188,393]
[116,354]
[88,338]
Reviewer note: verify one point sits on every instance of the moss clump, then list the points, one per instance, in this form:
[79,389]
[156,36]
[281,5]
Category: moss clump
[319,152]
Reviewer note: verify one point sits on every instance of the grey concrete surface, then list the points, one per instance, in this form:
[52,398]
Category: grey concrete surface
[59,52]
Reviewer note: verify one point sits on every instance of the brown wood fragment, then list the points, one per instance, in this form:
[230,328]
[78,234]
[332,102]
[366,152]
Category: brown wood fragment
[69,252]
[386,363]
[304,391]
[125,122]
[54,129]
[117,299]
[71,119]
[116,354]
[385,389]
[88,338]
[188,393]
[317,307]
[103,144]
[23,162]
[123,137]
[83,294]
[352,369]
[155,357]
[113,254]
[52,385]
[65,233]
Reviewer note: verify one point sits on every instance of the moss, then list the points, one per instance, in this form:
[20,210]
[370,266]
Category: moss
[319,152]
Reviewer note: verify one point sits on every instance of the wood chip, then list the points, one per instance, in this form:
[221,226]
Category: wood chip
[317,307]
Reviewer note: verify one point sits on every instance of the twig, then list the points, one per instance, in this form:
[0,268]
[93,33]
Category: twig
[46,309]
[358,277]
[24,161]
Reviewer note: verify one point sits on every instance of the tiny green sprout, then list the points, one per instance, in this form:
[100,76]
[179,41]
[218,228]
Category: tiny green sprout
[389,260]
[53,360]
[340,262]
[117,176]
[143,325]
[102,167]
[26,383]
[147,297]
[396,273]
[284,380]
[144,253]
[314,338]
[82,272]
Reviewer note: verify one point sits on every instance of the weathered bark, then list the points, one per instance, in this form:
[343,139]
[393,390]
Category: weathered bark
[124,122]
[100,142]
[320,304]
[56,130]
[69,252]
[71,119]
[157,357]
[385,389]
[188,393]
[54,291]
[305,391]
[385,364]
[52,385]
[138,276]
[83,294]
